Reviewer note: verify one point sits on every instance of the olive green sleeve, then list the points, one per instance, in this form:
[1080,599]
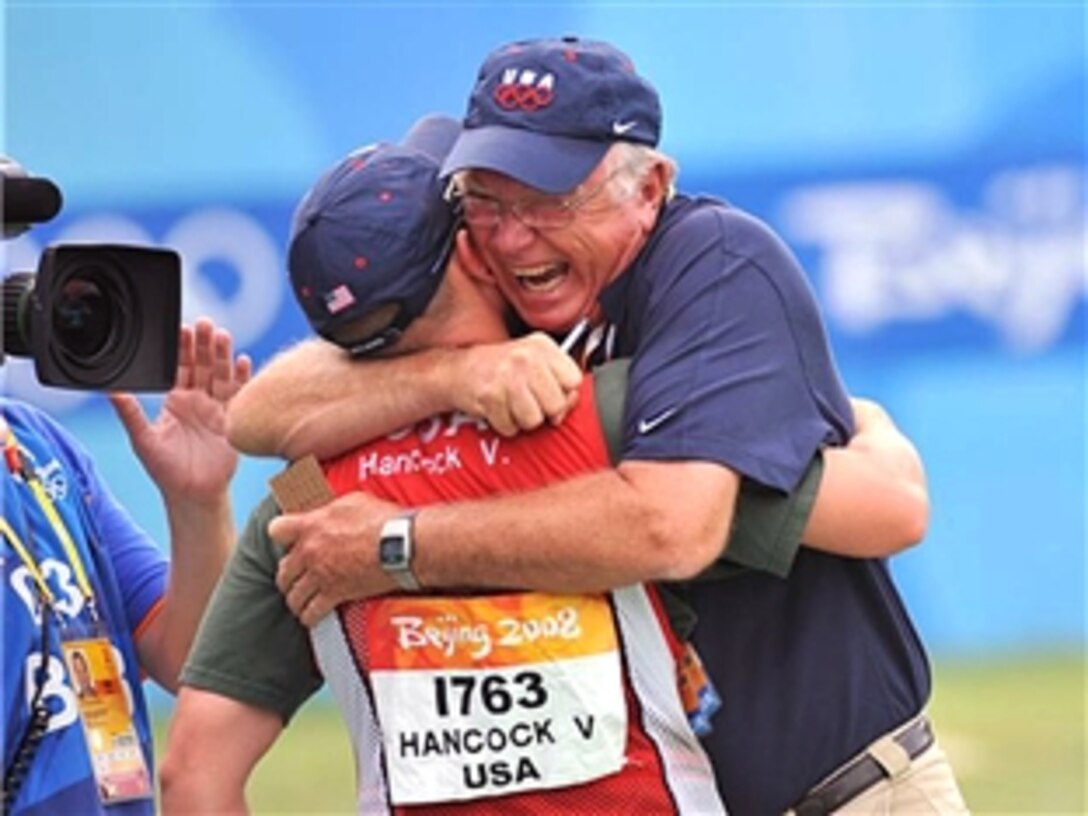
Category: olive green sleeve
[249,646]
[767,524]
[610,394]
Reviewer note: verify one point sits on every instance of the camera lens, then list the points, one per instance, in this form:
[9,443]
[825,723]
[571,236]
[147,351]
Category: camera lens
[17,291]
[82,316]
[92,322]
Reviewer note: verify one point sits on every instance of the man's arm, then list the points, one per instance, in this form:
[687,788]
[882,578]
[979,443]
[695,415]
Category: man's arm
[250,669]
[213,745]
[313,398]
[186,453]
[642,521]
[872,501]
[249,647]
[650,521]
[867,499]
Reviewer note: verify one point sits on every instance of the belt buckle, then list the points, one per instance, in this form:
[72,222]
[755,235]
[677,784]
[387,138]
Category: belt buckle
[853,779]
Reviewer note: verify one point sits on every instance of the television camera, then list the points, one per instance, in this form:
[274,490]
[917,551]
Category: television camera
[93,316]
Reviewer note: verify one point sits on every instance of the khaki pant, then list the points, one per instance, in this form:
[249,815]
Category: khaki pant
[919,787]
[925,786]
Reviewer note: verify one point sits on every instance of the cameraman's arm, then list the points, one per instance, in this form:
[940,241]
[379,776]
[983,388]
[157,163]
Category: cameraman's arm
[186,453]
[313,398]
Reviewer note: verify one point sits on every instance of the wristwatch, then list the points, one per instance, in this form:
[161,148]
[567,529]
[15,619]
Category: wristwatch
[395,550]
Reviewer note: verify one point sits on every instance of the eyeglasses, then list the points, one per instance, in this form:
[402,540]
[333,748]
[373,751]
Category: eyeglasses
[538,212]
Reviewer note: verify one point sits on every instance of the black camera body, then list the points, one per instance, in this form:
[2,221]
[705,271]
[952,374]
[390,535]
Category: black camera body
[94,316]
[97,316]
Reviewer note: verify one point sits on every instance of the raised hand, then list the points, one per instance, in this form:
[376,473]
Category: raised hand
[185,450]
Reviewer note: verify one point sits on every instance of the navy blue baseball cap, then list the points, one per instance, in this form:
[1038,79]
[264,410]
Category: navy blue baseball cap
[544,112]
[374,230]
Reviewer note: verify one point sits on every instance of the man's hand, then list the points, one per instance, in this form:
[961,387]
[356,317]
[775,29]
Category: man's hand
[516,385]
[185,450]
[332,555]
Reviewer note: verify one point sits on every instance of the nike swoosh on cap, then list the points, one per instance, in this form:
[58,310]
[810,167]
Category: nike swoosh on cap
[621,128]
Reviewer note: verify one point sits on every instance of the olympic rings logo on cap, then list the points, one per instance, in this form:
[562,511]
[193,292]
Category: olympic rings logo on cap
[521,89]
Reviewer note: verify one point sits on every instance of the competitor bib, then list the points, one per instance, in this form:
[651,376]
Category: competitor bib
[491,695]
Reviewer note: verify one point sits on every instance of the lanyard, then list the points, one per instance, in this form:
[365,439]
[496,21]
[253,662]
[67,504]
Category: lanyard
[19,469]
[25,557]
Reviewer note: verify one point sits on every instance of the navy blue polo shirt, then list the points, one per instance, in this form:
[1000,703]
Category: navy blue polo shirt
[731,364]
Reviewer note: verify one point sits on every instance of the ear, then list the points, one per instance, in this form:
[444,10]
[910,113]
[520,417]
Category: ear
[651,194]
[469,259]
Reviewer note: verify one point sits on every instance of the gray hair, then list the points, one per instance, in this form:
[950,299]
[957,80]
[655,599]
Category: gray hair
[632,162]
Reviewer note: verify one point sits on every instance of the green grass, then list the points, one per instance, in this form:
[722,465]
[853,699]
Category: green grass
[310,770]
[1015,732]
[1014,729]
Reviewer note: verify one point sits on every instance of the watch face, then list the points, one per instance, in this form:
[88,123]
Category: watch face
[391,552]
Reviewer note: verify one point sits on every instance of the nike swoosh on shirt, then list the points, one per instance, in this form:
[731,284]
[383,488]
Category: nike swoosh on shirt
[645,426]
[621,128]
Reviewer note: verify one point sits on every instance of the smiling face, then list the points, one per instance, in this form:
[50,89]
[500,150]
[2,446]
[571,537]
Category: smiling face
[553,276]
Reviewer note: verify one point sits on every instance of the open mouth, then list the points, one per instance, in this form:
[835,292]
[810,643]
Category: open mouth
[541,278]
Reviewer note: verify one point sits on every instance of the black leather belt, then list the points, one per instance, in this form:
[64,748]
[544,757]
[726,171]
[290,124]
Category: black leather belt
[861,774]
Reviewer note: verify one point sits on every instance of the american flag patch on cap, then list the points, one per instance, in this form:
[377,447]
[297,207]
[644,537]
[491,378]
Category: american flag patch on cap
[339,299]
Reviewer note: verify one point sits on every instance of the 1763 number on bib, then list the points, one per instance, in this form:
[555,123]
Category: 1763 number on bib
[492,695]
